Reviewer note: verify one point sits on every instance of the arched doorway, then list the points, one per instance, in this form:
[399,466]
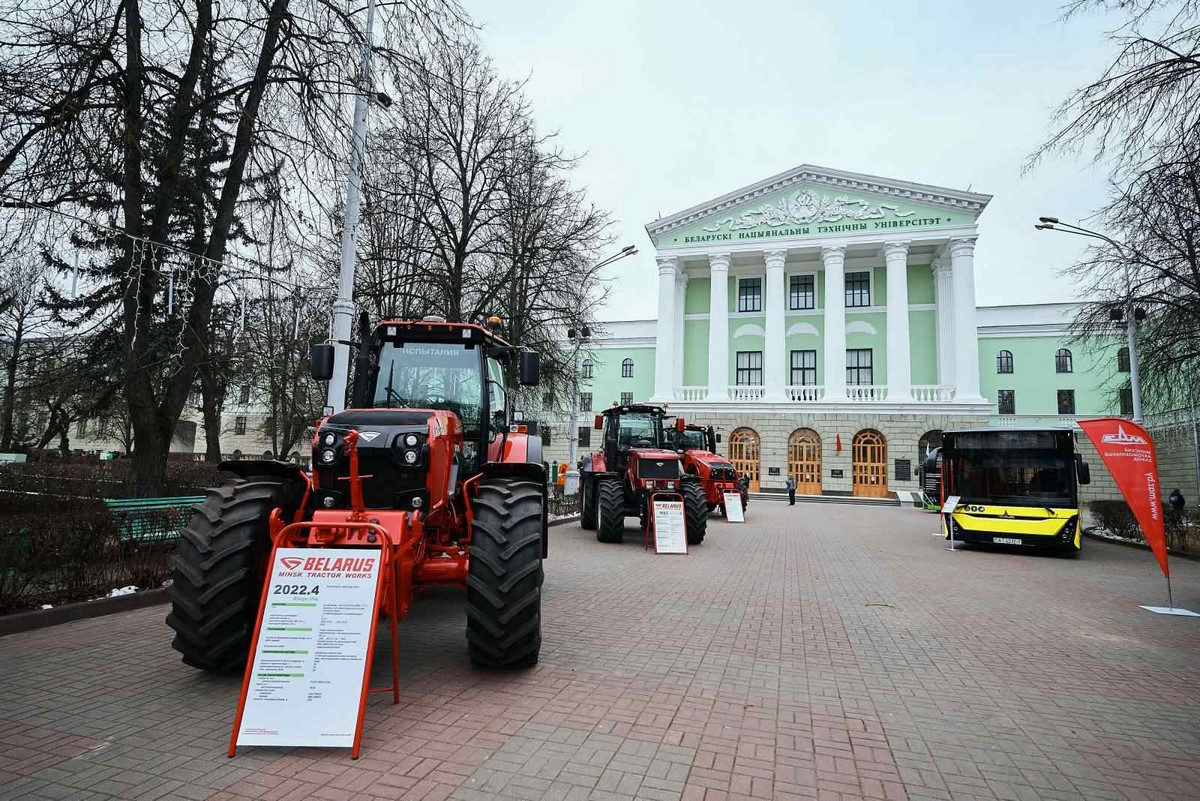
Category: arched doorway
[804,460]
[744,453]
[928,441]
[870,464]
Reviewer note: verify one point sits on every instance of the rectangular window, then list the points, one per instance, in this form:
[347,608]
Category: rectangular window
[626,398]
[804,368]
[858,367]
[544,431]
[585,401]
[1066,401]
[802,292]
[749,294]
[244,394]
[587,368]
[81,428]
[749,368]
[858,289]
[585,436]
[239,425]
[269,428]
[1006,401]
[1126,401]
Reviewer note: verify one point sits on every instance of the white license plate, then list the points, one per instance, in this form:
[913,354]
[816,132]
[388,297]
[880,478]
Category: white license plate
[1006,540]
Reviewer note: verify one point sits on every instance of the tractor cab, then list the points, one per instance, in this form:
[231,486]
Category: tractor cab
[697,446]
[638,460]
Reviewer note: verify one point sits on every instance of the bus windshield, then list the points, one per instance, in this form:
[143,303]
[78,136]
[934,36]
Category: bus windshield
[1018,469]
[431,375]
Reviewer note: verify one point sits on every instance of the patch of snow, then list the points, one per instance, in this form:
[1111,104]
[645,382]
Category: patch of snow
[130,590]
[47,606]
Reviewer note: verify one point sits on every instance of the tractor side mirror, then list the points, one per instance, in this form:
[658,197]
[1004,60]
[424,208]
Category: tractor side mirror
[1082,470]
[531,368]
[679,424]
[322,362]
[599,422]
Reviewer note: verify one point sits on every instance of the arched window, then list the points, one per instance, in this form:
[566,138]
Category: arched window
[1062,361]
[1004,361]
[1123,360]
[627,368]
[587,368]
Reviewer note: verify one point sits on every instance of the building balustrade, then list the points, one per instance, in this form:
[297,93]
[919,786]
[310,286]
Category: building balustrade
[690,393]
[746,393]
[809,393]
[861,392]
[816,393]
[932,393]
[1033,420]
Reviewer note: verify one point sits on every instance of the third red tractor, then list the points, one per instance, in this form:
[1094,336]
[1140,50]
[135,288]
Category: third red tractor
[698,446]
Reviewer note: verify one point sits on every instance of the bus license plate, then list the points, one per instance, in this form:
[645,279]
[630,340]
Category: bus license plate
[1006,540]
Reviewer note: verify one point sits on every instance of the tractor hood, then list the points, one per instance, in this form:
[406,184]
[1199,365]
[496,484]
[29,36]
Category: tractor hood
[709,458]
[656,454]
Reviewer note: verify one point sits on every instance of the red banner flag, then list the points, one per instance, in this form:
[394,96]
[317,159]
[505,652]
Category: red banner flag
[1128,452]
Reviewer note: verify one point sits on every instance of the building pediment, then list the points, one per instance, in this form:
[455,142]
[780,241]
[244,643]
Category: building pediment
[814,201]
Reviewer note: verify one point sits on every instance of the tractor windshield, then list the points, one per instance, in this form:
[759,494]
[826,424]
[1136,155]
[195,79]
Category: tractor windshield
[690,441]
[431,375]
[639,430]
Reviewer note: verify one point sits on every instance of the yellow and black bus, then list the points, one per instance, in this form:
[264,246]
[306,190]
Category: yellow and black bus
[1016,486]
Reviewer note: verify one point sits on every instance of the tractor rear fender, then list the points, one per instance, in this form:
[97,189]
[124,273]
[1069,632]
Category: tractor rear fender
[275,468]
[523,459]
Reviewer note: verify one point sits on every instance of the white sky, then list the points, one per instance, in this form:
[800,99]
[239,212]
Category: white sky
[672,103]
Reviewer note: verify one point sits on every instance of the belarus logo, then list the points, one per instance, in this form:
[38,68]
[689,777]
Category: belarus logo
[1122,438]
[291,562]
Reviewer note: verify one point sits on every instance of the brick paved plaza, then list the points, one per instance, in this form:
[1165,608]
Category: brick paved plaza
[820,651]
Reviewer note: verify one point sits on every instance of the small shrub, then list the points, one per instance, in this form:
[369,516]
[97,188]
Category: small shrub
[1116,518]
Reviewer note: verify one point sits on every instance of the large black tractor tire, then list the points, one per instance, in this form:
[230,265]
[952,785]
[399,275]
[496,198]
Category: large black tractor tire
[695,512]
[610,510]
[504,575]
[218,569]
[587,505]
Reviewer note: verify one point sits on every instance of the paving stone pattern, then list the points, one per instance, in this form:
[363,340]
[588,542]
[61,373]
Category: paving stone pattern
[818,651]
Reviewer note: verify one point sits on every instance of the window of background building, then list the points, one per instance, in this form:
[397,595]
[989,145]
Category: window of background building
[1006,401]
[804,368]
[547,400]
[1126,400]
[749,294]
[858,289]
[858,367]
[1066,401]
[626,398]
[585,401]
[1123,360]
[81,428]
[1004,361]
[749,368]
[544,431]
[627,368]
[239,425]
[587,368]
[585,436]
[244,394]
[802,292]
[269,428]
[1063,362]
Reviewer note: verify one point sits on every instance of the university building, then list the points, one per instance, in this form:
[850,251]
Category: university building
[825,324]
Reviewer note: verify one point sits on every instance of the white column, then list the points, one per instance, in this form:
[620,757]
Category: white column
[718,327]
[899,358]
[664,350]
[966,334]
[775,346]
[834,259]
[681,282]
[943,289]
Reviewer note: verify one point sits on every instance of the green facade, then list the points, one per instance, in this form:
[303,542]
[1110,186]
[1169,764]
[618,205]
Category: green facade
[607,383]
[1035,381]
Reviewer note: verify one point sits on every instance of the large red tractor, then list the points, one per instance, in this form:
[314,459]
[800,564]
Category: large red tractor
[698,446]
[634,468]
[425,464]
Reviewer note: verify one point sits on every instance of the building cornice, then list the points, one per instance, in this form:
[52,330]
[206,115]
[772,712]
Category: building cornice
[959,200]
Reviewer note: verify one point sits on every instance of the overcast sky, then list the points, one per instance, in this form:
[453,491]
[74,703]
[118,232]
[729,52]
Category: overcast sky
[674,103]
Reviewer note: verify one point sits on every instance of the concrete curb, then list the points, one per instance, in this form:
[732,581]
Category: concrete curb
[40,618]
[81,610]
[1088,532]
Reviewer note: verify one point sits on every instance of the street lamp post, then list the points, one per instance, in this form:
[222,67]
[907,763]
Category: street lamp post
[1131,313]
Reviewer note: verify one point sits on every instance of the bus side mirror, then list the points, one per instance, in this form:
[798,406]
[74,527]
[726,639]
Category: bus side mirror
[1082,469]
[531,368]
[321,362]
[679,425]
[598,423]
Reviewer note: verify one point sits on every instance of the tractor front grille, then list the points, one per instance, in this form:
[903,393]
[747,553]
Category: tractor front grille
[658,468]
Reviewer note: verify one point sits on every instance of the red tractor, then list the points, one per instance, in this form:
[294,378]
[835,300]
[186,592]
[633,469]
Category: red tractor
[425,465]
[698,446]
[634,468]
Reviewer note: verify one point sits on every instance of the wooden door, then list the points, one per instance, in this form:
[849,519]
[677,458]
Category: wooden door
[870,464]
[744,453]
[804,460]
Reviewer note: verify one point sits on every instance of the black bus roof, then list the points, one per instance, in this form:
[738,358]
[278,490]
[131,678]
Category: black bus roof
[1001,430]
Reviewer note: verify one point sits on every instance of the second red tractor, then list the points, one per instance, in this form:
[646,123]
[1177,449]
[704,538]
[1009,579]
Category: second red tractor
[698,447]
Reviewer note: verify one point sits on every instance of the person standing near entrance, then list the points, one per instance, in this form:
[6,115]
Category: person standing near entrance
[791,488]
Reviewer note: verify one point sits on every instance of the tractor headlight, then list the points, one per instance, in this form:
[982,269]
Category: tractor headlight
[329,439]
[410,457]
[410,440]
[328,501]
[328,456]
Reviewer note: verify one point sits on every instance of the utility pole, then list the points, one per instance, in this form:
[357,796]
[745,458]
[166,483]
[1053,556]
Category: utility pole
[578,337]
[343,307]
[1135,379]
